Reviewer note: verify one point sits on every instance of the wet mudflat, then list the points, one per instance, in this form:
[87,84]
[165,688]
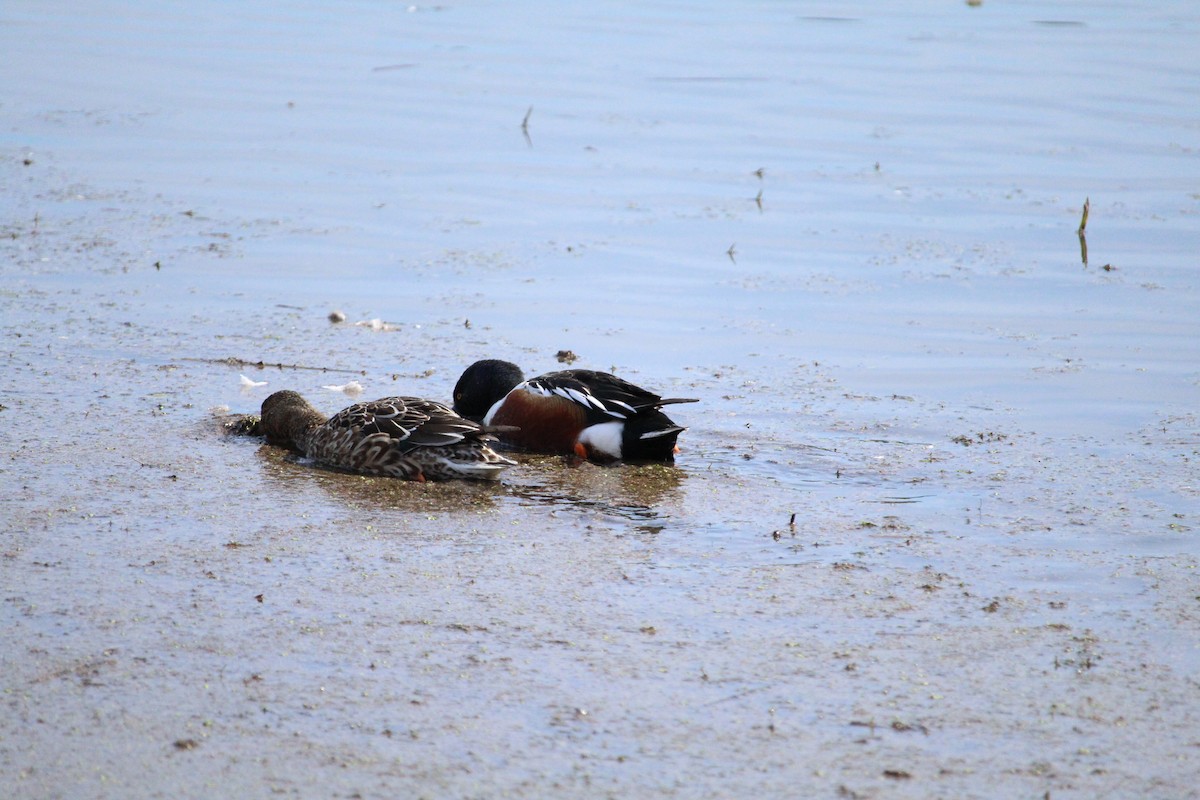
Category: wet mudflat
[851,233]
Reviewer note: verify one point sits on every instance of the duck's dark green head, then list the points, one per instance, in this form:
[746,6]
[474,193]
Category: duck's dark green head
[482,384]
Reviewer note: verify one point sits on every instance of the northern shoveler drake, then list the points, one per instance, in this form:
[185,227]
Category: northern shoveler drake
[399,437]
[594,415]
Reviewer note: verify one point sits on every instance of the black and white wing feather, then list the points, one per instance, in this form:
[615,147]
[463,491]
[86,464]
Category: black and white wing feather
[599,393]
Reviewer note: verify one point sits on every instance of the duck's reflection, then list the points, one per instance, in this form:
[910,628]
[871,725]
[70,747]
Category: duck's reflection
[638,492]
[289,471]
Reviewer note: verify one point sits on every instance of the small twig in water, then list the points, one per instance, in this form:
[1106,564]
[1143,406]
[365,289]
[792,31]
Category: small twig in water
[1087,202]
[241,362]
[525,127]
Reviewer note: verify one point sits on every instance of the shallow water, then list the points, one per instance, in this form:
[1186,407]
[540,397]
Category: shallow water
[989,586]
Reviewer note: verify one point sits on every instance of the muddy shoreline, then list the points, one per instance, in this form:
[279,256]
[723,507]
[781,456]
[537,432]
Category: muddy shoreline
[932,530]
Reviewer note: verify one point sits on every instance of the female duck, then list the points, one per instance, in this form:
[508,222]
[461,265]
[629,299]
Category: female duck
[594,415]
[399,437]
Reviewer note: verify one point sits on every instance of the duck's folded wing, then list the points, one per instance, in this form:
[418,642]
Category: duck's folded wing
[601,391]
[410,422]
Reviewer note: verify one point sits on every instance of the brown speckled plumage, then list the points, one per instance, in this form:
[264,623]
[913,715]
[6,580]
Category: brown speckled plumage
[399,437]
